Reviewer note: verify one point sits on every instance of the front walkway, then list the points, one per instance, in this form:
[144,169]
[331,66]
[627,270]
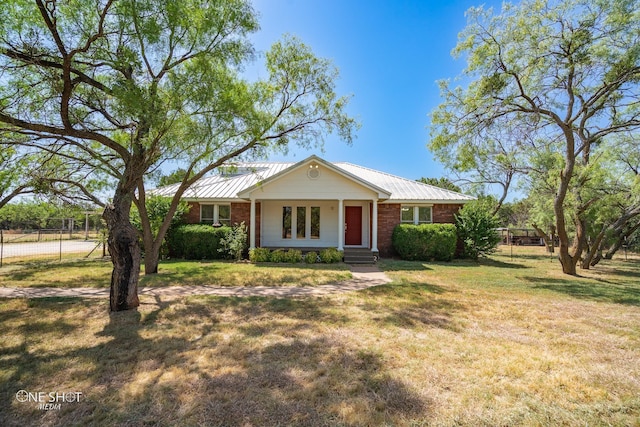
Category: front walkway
[363,277]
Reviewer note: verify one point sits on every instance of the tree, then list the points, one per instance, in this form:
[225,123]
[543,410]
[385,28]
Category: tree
[476,227]
[568,72]
[128,85]
[441,182]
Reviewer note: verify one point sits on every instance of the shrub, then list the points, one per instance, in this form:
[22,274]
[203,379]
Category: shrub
[259,255]
[235,242]
[330,255]
[196,241]
[476,226]
[425,242]
[279,255]
[294,256]
[311,257]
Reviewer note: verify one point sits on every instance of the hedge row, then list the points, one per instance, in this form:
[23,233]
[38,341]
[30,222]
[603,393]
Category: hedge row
[425,242]
[197,241]
[328,256]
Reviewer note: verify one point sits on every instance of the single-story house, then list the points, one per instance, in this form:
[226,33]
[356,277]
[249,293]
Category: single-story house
[316,204]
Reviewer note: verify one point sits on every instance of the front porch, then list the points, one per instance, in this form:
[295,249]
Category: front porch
[314,224]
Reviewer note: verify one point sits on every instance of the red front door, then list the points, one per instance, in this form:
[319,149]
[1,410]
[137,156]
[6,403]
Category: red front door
[353,225]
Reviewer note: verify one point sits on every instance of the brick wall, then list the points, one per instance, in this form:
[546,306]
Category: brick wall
[388,218]
[445,213]
[193,217]
[242,212]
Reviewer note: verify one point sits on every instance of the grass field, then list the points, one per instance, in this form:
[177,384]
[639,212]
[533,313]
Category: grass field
[509,341]
[96,273]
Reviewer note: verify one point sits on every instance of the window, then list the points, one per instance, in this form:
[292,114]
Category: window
[407,215]
[424,215]
[301,222]
[416,215]
[315,222]
[286,222]
[206,214]
[224,215]
[215,214]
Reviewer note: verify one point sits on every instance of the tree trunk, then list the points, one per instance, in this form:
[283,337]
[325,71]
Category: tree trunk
[152,256]
[124,249]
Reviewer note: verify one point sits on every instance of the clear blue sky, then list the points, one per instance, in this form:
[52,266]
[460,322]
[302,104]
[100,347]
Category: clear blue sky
[390,55]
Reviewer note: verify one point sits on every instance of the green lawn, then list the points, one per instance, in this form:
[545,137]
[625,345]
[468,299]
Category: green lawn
[503,342]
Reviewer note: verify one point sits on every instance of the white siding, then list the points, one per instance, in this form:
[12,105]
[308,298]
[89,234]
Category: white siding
[272,224]
[297,185]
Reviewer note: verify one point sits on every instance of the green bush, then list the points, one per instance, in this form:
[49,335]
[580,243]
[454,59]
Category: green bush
[311,257]
[330,255]
[259,255]
[234,244]
[196,241]
[476,225]
[279,255]
[425,242]
[294,256]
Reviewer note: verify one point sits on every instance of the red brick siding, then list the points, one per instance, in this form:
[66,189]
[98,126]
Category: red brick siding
[388,218]
[445,213]
[242,212]
[193,217]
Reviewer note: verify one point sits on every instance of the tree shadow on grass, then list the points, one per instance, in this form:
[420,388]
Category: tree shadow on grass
[206,361]
[602,291]
[412,305]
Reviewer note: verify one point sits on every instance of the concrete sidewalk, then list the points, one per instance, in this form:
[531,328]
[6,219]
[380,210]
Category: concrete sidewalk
[363,277]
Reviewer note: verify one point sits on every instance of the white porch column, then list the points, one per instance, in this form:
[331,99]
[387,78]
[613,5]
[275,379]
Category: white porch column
[374,227]
[252,225]
[340,224]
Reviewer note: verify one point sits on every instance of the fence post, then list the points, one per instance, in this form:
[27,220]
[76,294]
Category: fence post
[60,255]
[1,246]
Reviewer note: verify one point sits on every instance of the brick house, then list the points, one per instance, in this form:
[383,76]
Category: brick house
[316,204]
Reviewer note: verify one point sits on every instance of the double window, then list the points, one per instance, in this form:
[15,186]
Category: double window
[215,214]
[416,214]
[306,220]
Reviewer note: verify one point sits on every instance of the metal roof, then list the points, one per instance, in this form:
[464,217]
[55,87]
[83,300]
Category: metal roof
[250,174]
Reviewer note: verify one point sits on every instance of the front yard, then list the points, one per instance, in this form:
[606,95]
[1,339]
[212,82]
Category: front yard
[505,342]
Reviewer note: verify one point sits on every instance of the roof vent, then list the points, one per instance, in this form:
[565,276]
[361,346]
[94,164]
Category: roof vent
[314,171]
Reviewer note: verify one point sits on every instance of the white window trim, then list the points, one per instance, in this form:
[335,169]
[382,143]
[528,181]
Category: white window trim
[307,222]
[416,216]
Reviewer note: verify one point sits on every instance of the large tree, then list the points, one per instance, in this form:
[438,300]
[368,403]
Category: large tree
[130,84]
[569,72]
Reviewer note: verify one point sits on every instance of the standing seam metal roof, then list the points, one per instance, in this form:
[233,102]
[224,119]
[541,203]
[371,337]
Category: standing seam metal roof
[228,186]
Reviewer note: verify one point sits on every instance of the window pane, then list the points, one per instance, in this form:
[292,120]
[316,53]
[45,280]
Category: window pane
[286,222]
[206,214]
[301,222]
[424,215]
[315,222]
[407,214]
[224,215]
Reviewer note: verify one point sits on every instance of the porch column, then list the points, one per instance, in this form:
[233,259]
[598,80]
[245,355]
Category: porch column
[374,227]
[252,225]
[340,224]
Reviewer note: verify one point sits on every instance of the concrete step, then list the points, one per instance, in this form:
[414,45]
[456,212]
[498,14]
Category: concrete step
[359,256]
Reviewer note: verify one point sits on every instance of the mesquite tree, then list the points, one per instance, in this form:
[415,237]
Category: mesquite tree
[129,84]
[569,73]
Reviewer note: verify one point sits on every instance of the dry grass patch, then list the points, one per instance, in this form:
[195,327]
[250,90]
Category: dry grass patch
[444,344]
[97,274]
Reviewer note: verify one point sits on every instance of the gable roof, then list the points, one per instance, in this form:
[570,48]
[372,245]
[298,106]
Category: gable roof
[382,193]
[252,175]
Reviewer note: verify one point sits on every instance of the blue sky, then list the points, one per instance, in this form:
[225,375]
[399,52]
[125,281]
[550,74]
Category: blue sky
[390,55]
